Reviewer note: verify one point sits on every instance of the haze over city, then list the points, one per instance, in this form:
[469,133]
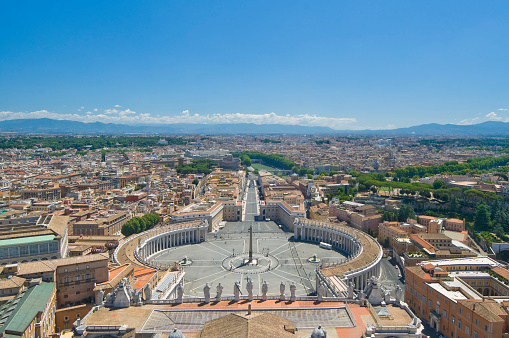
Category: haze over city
[343,65]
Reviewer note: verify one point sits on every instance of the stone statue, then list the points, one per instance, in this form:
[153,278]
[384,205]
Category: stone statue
[180,293]
[137,299]
[398,293]
[293,288]
[249,288]
[219,291]
[350,290]
[387,297]
[282,291]
[206,293]
[147,292]
[122,298]
[265,288]
[320,292]
[236,291]
[109,299]
[100,297]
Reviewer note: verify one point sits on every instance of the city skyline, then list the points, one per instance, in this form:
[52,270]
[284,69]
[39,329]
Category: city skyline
[343,66]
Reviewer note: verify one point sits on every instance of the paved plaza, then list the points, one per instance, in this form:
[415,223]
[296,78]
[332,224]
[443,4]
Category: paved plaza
[288,260]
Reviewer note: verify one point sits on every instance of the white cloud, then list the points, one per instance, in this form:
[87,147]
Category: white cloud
[482,117]
[502,109]
[129,116]
[118,106]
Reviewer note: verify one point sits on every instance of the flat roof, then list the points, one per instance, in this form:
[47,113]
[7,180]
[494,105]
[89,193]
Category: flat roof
[26,240]
[452,295]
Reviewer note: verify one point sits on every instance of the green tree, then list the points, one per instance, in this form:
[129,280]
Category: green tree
[481,217]
[196,181]
[405,212]
[454,205]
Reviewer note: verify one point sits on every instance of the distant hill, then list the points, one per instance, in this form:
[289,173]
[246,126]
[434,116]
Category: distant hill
[49,126]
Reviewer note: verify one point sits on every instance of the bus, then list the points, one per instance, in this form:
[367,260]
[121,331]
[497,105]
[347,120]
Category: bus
[325,245]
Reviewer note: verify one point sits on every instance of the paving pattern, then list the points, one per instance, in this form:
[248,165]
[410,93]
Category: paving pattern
[193,320]
[210,258]
[215,260]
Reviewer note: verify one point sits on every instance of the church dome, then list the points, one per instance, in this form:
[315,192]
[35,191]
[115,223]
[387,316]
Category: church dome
[319,332]
[176,334]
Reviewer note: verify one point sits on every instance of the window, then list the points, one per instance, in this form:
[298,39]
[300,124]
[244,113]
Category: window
[475,335]
[467,329]
[461,310]
[77,268]
[444,314]
[65,270]
[476,321]
[88,267]
[486,328]
[452,319]
[459,324]
[468,315]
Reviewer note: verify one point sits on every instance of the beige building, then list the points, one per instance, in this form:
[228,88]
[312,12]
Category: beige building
[106,224]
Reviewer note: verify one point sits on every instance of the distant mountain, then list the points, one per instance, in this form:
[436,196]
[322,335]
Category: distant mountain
[49,126]
[490,128]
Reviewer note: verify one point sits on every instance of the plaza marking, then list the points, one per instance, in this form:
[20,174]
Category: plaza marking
[217,246]
[219,253]
[296,245]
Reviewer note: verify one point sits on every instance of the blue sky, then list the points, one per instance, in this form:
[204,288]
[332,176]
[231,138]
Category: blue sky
[347,65]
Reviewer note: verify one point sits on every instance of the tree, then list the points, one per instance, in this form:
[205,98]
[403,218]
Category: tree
[498,229]
[196,181]
[481,217]
[454,205]
[405,212]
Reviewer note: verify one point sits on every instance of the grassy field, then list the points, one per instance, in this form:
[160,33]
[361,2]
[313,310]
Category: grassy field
[260,166]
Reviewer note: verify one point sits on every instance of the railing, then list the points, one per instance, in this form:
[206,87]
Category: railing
[257,298]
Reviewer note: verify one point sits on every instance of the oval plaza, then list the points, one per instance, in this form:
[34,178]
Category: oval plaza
[283,250]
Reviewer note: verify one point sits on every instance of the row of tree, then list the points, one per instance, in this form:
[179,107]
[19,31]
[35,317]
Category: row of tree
[474,165]
[81,143]
[139,224]
[273,160]
[198,166]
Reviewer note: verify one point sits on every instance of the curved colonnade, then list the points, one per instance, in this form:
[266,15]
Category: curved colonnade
[363,262]
[154,240]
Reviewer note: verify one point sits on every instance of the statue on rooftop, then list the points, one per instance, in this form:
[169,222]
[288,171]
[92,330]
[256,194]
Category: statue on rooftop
[219,292]
[206,293]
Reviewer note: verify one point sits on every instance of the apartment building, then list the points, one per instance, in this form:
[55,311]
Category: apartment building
[77,276]
[101,224]
[45,194]
[452,224]
[360,216]
[452,303]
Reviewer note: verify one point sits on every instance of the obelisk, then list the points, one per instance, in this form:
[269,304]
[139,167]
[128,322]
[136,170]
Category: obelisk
[251,244]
